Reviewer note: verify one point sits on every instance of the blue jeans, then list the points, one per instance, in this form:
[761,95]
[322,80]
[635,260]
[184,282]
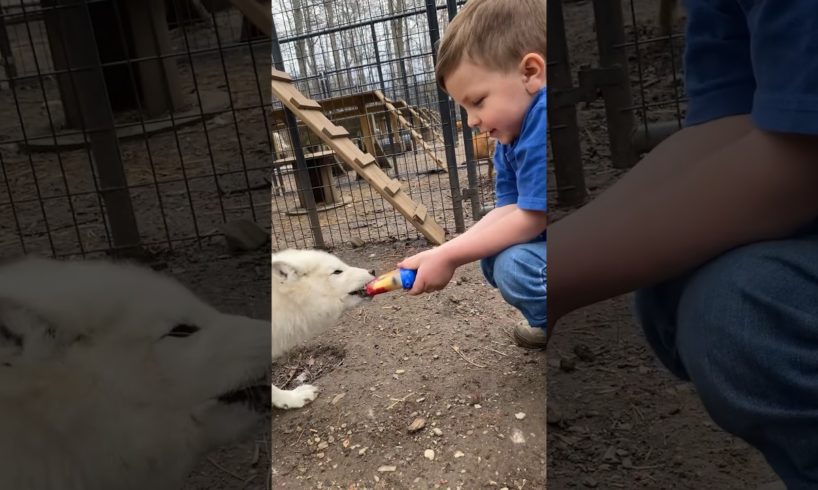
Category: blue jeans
[519,273]
[744,329]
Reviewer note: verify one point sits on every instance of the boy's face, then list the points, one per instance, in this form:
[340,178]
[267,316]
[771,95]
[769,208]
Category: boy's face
[495,101]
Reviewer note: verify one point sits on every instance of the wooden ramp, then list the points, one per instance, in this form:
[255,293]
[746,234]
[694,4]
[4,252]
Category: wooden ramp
[337,138]
[402,104]
[396,115]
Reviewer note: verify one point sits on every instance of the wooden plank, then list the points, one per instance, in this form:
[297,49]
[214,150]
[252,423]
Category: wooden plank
[304,103]
[335,131]
[366,160]
[420,213]
[292,95]
[393,187]
[281,76]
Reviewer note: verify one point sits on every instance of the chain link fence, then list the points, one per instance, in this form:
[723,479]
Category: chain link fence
[615,70]
[130,126]
[370,66]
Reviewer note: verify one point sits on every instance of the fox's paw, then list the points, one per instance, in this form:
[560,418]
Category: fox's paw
[295,398]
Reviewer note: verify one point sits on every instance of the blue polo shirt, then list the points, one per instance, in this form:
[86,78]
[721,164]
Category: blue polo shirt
[521,165]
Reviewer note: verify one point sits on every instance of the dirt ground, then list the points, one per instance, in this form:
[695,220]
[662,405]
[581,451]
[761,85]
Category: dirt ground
[616,417]
[444,359]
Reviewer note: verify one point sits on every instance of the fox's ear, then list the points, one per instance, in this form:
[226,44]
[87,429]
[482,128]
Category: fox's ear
[283,271]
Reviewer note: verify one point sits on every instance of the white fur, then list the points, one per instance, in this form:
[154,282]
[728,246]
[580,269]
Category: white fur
[310,291]
[94,396]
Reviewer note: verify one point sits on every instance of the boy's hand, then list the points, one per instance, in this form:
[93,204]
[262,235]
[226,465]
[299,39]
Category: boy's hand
[434,271]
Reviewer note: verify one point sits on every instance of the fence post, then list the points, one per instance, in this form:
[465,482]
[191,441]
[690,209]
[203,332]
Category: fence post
[389,129]
[301,172]
[82,59]
[473,193]
[562,113]
[448,126]
[5,50]
[610,35]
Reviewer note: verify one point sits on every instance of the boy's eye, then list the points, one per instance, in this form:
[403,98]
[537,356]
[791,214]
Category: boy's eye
[479,101]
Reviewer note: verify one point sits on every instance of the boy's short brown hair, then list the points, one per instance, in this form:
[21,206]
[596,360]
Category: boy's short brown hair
[494,33]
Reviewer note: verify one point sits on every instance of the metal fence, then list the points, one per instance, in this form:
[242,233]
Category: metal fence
[370,64]
[130,126]
[630,85]
[152,127]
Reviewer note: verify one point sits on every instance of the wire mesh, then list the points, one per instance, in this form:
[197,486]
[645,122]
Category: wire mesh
[370,65]
[655,62]
[130,124]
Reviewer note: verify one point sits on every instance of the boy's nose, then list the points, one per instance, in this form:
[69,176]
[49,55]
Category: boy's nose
[473,121]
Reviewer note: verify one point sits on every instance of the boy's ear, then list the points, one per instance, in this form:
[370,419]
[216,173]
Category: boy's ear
[533,71]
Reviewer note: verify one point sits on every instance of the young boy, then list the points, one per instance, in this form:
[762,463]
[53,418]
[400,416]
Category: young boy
[717,230]
[492,62]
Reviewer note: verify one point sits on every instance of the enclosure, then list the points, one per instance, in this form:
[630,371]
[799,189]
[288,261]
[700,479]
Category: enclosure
[151,130]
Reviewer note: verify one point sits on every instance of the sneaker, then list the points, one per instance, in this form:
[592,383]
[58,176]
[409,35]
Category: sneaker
[530,337]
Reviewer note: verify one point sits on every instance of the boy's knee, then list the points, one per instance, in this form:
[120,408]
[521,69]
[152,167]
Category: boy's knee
[520,271]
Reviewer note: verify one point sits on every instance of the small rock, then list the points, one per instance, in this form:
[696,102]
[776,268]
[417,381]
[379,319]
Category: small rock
[362,451]
[458,454]
[517,436]
[519,415]
[589,482]
[323,445]
[356,242]
[610,455]
[429,454]
[567,365]
[418,424]
[387,469]
[437,432]
[337,398]
[400,371]
[584,352]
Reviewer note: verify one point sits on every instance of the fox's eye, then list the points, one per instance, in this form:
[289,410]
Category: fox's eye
[182,330]
[337,271]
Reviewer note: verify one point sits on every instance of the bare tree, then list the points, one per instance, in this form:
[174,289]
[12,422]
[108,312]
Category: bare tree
[329,6]
[300,44]
[398,29]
